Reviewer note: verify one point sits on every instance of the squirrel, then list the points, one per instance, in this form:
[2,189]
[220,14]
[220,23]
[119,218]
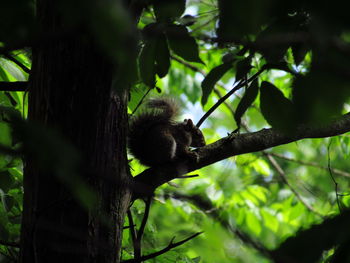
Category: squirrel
[155,138]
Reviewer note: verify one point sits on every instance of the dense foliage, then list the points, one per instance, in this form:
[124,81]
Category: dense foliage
[277,64]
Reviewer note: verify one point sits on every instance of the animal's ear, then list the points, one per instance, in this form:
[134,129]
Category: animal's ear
[188,124]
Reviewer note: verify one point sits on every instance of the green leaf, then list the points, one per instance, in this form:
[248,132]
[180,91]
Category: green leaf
[3,74]
[147,63]
[277,110]
[5,134]
[168,10]
[213,76]
[182,44]
[247,100]
[162,56]
[253,223]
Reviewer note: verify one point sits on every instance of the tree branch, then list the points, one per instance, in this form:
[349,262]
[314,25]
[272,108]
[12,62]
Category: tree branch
[13,86]
[164,250]
[146,182]
[9,244]
[132,229]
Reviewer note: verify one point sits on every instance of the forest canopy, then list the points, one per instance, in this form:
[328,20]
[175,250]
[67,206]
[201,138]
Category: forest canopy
[267,82]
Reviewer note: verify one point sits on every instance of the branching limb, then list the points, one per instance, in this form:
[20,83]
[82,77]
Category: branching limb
[9,244]
[146,182]
[136,236]
[13,86]
[278,168]
[132,229]
[138,243]
[164,250]
[333,179]
[141,101]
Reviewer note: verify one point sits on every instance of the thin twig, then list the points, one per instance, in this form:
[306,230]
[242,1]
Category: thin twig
[331,174]
[205,24]
[164,250]
[141,101]
[281,173]
[145,218]
[285,180]
[222,99]
[335,171]
[137,237]
[207,207]
[132,230]
[240,84]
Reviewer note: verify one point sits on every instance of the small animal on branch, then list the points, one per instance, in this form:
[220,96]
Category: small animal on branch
[156,138]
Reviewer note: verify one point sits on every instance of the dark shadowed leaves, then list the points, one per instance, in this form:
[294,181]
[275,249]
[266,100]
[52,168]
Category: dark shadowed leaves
[168,10]
[210,80]
[162,56]
[299,52]
[319,96]
[241,18]
[182,44]
[247,100]
[147,63]
[17,21]
[243,68]
[271,43]
[308,245]
[6,181]
[277,110]
[286,31]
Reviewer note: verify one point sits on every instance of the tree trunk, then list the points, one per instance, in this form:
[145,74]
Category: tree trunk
[71,91]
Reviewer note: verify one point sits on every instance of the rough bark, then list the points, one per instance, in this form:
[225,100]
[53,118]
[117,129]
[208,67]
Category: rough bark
[71,91]
[146,182]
